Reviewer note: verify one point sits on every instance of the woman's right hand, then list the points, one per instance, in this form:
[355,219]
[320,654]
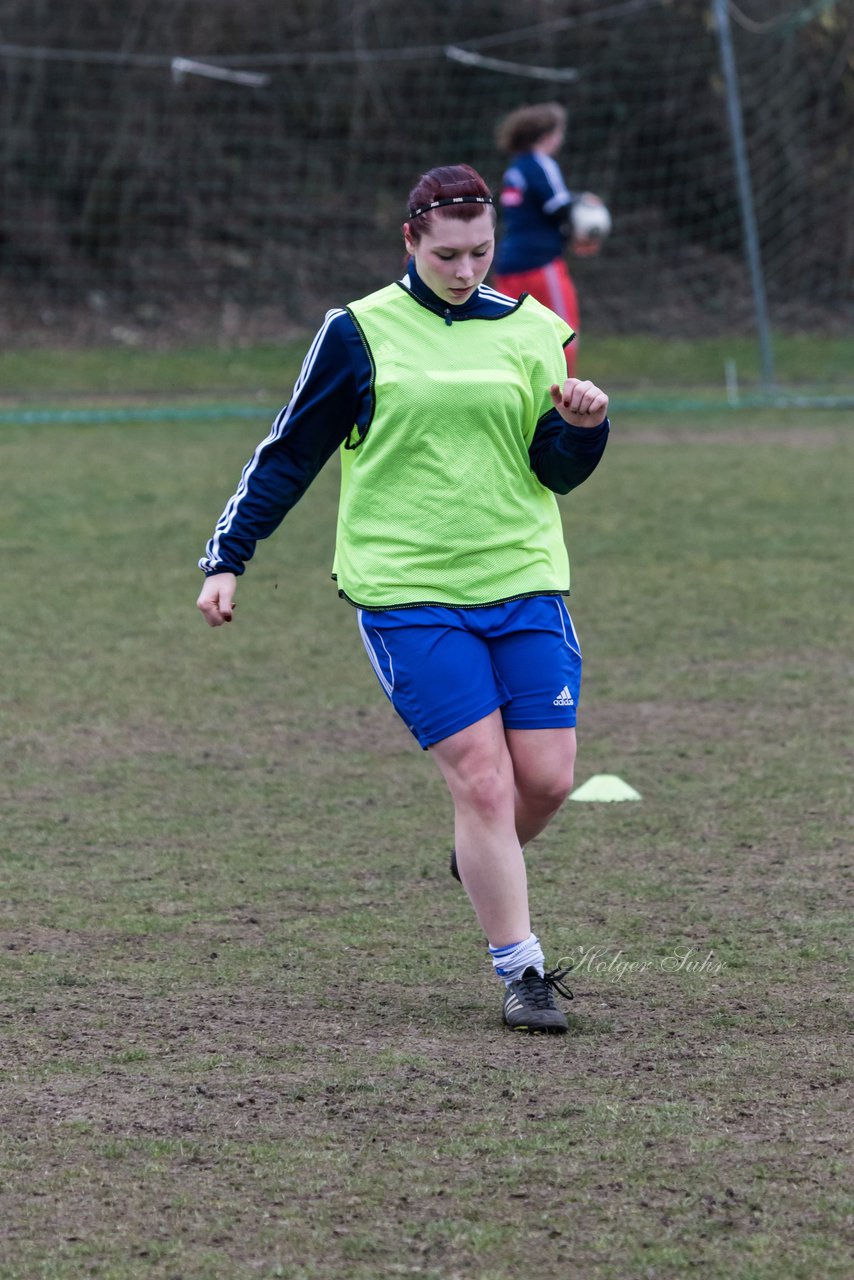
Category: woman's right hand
[579,403]
[216,599]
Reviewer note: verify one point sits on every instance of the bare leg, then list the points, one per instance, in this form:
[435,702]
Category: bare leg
[477,766]
[543,763]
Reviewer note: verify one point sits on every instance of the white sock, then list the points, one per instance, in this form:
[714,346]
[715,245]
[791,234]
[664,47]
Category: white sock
[510,962]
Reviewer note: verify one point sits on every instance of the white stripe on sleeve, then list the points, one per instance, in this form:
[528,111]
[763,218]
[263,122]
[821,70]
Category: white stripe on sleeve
[227,518]
[555,180]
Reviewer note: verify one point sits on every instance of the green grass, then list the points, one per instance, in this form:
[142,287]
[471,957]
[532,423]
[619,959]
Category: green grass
[640,365]
[117,372]
[248,1029]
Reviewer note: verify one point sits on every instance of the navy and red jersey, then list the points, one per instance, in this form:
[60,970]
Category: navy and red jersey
[535,208]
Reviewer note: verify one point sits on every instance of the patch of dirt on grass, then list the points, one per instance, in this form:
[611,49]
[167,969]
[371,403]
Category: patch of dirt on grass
[334,1120]
[351,1103]
[134,1062]
[372,730]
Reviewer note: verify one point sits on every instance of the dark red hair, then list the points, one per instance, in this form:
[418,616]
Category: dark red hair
[443,184]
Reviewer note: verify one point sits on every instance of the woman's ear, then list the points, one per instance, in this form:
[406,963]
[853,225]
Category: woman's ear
[407,239]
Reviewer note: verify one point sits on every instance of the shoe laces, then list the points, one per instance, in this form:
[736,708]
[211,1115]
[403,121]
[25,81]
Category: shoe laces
[555,978]
[538,990]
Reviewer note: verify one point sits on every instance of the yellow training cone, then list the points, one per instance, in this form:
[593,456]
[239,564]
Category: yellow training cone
[605,787]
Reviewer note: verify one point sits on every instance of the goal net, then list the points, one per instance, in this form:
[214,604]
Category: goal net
[192,165]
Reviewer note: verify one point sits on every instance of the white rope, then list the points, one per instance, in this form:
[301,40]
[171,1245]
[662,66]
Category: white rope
[186,66]
[471,59]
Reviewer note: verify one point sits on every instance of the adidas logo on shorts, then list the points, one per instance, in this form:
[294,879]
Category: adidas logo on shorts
[564,698]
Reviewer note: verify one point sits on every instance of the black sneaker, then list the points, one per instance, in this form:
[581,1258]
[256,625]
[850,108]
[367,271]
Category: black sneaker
[529,1004]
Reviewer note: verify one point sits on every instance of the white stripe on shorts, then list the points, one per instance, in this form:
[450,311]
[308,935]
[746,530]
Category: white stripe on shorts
[564,612]
[374,660]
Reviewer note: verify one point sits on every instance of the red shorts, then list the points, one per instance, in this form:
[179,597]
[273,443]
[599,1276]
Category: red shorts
[552,286]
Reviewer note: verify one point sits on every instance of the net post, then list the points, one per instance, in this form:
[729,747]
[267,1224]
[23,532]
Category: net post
[745,193]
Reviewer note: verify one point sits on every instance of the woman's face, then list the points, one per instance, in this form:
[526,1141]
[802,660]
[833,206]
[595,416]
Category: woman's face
[453,257]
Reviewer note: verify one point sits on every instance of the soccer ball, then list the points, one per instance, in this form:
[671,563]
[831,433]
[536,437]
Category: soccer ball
[590,218]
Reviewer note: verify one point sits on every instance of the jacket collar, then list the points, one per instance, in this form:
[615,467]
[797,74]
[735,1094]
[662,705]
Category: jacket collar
[472,308]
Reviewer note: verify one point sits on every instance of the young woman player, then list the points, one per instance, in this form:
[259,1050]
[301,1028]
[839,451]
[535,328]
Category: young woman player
[456,427]
[535,204]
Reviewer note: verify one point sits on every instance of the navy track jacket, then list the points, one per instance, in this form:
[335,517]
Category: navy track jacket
[332,395]
[535,204]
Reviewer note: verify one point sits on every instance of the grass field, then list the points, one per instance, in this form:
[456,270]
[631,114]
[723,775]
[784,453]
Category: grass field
[248,1029]
[642,365]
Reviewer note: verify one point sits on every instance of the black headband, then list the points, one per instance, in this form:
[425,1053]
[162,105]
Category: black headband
[437,204]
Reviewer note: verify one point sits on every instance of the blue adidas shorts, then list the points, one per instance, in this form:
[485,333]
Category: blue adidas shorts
[444,668]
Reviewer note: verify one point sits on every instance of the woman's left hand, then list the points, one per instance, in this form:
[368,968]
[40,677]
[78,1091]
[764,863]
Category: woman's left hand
[581,404]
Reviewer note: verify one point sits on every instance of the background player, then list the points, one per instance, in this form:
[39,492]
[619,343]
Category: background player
[536,205]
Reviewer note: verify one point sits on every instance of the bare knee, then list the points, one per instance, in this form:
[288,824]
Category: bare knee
[543,765]
[485,789]
[547,791]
